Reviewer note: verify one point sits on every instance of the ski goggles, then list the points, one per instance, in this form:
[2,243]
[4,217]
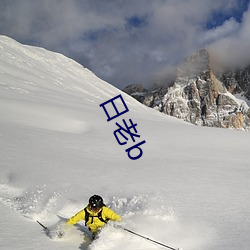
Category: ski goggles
[94,208]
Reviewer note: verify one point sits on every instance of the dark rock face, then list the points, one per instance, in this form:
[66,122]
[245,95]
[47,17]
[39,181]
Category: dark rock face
[201,97]
[137,91]
[237,81]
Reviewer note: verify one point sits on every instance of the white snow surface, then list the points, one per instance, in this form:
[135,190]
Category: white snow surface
[190,189]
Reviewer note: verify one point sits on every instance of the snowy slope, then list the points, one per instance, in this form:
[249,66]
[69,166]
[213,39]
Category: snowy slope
[189,189]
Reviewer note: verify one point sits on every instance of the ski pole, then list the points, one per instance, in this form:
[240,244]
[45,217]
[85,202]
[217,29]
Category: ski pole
[45,228]
[146,238]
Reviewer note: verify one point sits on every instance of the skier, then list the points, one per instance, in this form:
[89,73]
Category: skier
[95,214]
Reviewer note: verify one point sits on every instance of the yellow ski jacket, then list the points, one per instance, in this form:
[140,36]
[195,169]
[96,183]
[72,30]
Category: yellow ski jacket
[94,223]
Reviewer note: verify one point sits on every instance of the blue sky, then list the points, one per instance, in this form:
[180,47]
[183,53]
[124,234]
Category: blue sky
[131,41]
[218,17]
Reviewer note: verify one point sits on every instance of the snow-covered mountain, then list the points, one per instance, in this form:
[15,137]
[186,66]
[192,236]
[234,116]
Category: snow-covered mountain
[189,189]
[201,96]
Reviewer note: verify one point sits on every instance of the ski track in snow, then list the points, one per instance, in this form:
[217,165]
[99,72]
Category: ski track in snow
[43,117]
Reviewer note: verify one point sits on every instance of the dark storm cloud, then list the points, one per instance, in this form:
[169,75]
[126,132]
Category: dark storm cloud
[132,41]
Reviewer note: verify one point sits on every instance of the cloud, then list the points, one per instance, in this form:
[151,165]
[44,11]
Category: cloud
[121,41]
[233,49]
[228,28]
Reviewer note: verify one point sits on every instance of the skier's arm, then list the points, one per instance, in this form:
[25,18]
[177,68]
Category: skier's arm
[77,217]
[110,214]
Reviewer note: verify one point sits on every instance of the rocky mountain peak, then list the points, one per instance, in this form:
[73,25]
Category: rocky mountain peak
[200,96]
[196,64]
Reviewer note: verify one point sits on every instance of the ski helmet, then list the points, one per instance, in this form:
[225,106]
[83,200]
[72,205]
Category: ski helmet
[95,202]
